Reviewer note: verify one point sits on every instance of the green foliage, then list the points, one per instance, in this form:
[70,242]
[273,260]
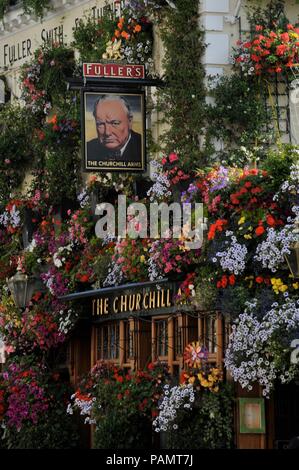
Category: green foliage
[182,100]
[231,301]
[124,404]
[55,429]
[267,15]
[36,7]
[58,167]
[16,147]
[238,118]
[209,425]
[4,4]
[43,80]
[206,292]
[91,37]
[278,164]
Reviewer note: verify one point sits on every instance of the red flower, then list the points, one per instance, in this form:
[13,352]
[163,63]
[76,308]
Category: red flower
[280,50]
[256,190]
[259,28]
[259,230]
[119,378]
[259,279]
[224,282]
[285,37]
[256,58]
[37,296]
[173,157]
[232,279]
[68,266]
[270,220]
[218,225]
[234,199]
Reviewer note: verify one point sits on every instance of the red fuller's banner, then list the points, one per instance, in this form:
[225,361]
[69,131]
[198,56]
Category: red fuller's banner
[113,71]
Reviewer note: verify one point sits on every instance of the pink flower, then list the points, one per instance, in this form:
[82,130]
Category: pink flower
[168,267]
[37,195]
[173,157]
[7,161]
[9,349]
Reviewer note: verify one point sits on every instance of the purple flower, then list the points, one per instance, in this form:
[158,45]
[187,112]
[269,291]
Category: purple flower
[221,180]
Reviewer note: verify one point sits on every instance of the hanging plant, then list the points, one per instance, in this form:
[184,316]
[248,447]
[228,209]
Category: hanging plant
[127,37]
[16,148]
[30,7]
[43,80]
[271,51]
[259,349]
[182,102]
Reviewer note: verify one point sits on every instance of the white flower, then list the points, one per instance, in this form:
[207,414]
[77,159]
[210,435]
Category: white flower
[233,258]
[250,356]
[174,398]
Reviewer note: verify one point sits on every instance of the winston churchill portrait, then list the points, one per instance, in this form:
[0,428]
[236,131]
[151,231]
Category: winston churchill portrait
[116,145]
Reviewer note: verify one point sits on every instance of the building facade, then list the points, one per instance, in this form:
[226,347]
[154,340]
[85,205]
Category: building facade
[129,326]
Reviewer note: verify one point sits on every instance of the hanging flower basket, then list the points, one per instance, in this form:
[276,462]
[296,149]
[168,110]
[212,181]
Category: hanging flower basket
[270,52]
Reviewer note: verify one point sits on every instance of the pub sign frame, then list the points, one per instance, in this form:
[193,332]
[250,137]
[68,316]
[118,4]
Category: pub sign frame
[96,158]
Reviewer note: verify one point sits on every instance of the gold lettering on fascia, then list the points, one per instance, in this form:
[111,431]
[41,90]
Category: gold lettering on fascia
[162,298]
[132,302]
[152,299]
[138,299]
[132,299]
[168,302]
[123,303]
[115,302]
[145,301]
[100,306]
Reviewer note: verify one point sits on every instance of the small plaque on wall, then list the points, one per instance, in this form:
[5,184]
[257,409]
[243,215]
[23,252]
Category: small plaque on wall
[252,415]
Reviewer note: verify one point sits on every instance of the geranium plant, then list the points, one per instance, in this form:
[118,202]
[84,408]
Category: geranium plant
[32,404]
[121,404]
[44,78]
[271,51]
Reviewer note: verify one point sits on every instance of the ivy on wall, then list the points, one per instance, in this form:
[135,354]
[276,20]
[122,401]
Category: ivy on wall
[56,111]
[16,148]
[182,101]
[239,120]
[271,14]
[29,7]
